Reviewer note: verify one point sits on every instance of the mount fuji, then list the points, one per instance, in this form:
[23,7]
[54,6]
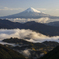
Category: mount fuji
[28,13]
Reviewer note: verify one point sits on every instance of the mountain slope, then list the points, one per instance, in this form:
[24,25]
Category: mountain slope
[6,53]
[54,54]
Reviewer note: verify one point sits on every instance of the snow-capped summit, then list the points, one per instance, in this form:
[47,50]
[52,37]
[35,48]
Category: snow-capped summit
[32,10]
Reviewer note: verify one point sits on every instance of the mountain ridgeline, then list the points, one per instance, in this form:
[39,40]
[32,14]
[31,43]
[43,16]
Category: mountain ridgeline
[55,23]
[38,27]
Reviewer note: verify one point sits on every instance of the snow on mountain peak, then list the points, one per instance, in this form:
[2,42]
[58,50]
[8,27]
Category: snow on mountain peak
[32,10]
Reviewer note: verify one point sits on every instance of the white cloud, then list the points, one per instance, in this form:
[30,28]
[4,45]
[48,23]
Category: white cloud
[26,53]
[39,20]
[22,34]
[6,8]
[23,20]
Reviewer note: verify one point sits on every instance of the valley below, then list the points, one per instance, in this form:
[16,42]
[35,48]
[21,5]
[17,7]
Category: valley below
[29,49]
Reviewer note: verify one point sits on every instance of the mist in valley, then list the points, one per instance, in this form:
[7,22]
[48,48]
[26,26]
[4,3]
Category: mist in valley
[28,35]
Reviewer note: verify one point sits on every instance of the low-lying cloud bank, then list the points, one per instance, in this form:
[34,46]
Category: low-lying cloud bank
[23,20]
[28,35]
[39,20]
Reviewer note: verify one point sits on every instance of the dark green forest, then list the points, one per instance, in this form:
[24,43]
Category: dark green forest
[54,54]
[6,53]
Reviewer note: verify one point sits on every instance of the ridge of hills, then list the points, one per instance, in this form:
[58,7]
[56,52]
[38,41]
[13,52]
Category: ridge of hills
[39,27]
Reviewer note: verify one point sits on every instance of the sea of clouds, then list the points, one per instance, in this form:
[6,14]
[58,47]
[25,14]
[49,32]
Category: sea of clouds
[28,35]
[39,20]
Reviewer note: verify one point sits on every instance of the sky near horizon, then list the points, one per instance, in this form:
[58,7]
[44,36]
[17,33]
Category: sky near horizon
[9,7]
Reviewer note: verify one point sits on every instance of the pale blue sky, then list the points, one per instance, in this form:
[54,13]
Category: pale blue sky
[8,7]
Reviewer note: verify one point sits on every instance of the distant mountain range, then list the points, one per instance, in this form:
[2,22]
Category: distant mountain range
[29,13]
[38,27]
[56,23]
